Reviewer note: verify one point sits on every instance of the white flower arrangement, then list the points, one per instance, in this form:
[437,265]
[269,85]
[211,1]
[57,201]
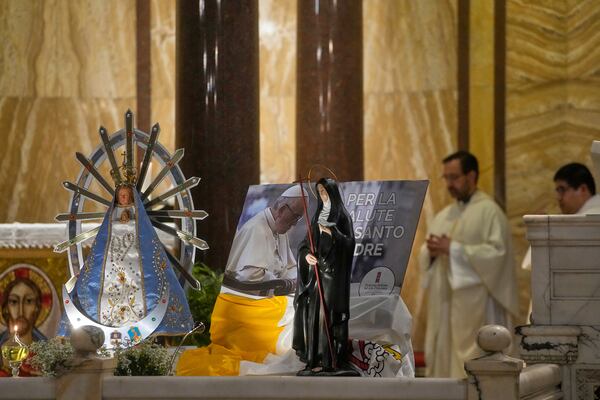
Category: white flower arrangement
[55,357]
[51,357]
[144,359]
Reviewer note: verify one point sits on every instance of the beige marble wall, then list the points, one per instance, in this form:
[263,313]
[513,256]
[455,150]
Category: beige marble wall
[481,90]
[536,97]
[162,30]
[553,100]
[410,106]
[58,82]
[536,52]
[277,41]
[583,85]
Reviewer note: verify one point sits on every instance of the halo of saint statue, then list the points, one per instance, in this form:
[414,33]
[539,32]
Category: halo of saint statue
[127,286]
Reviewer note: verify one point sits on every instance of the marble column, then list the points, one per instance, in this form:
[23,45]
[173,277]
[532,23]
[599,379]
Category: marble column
[143,39]
[329,99]
[482,90]
[217,108]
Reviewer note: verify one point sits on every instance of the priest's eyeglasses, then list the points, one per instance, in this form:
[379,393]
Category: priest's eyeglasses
[452,177]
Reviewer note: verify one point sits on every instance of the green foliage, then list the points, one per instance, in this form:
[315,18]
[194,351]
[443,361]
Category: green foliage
[144,359]
[55,357]
[51,357]
[202,302]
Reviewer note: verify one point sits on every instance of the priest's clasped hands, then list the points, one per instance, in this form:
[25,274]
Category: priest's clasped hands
[438,245]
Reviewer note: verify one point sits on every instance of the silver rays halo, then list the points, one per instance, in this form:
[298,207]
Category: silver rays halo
[132,138]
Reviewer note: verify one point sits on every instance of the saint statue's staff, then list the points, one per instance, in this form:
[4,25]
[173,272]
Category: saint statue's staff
[320,288]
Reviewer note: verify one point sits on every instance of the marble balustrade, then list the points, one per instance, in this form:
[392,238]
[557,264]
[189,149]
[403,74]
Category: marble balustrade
[271,388]
[494,376]
[565,323]
[535,383]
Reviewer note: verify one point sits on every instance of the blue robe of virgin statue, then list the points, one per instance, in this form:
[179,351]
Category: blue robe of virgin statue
[126,273]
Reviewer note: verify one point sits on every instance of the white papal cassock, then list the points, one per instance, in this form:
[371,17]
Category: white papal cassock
[475,285]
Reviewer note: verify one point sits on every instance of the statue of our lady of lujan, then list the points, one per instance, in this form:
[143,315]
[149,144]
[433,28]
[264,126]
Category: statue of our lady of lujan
[127,285]
[127,270]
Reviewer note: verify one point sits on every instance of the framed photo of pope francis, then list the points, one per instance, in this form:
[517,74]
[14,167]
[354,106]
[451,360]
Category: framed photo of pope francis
[262,260]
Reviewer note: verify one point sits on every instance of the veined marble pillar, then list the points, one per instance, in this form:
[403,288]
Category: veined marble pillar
[143,39]
[217,110]
[481,90]
[329,100]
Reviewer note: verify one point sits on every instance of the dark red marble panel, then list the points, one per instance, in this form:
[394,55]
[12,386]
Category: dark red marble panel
[329,98]
[217,111]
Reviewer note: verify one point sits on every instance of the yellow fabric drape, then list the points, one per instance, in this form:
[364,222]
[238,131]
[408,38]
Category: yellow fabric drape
[241,329]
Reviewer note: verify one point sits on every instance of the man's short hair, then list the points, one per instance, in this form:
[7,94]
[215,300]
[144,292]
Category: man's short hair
[576,174]
[468,162]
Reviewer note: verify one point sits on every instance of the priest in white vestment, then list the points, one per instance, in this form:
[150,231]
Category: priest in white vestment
[468,269]
[575,190]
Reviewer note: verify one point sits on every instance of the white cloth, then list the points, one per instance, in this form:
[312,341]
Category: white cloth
[475,285]
[258,254]
[122,299]
[386,321]
[591,206]
[379,328]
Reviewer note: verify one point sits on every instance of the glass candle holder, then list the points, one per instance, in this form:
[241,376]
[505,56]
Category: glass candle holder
[14,351]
